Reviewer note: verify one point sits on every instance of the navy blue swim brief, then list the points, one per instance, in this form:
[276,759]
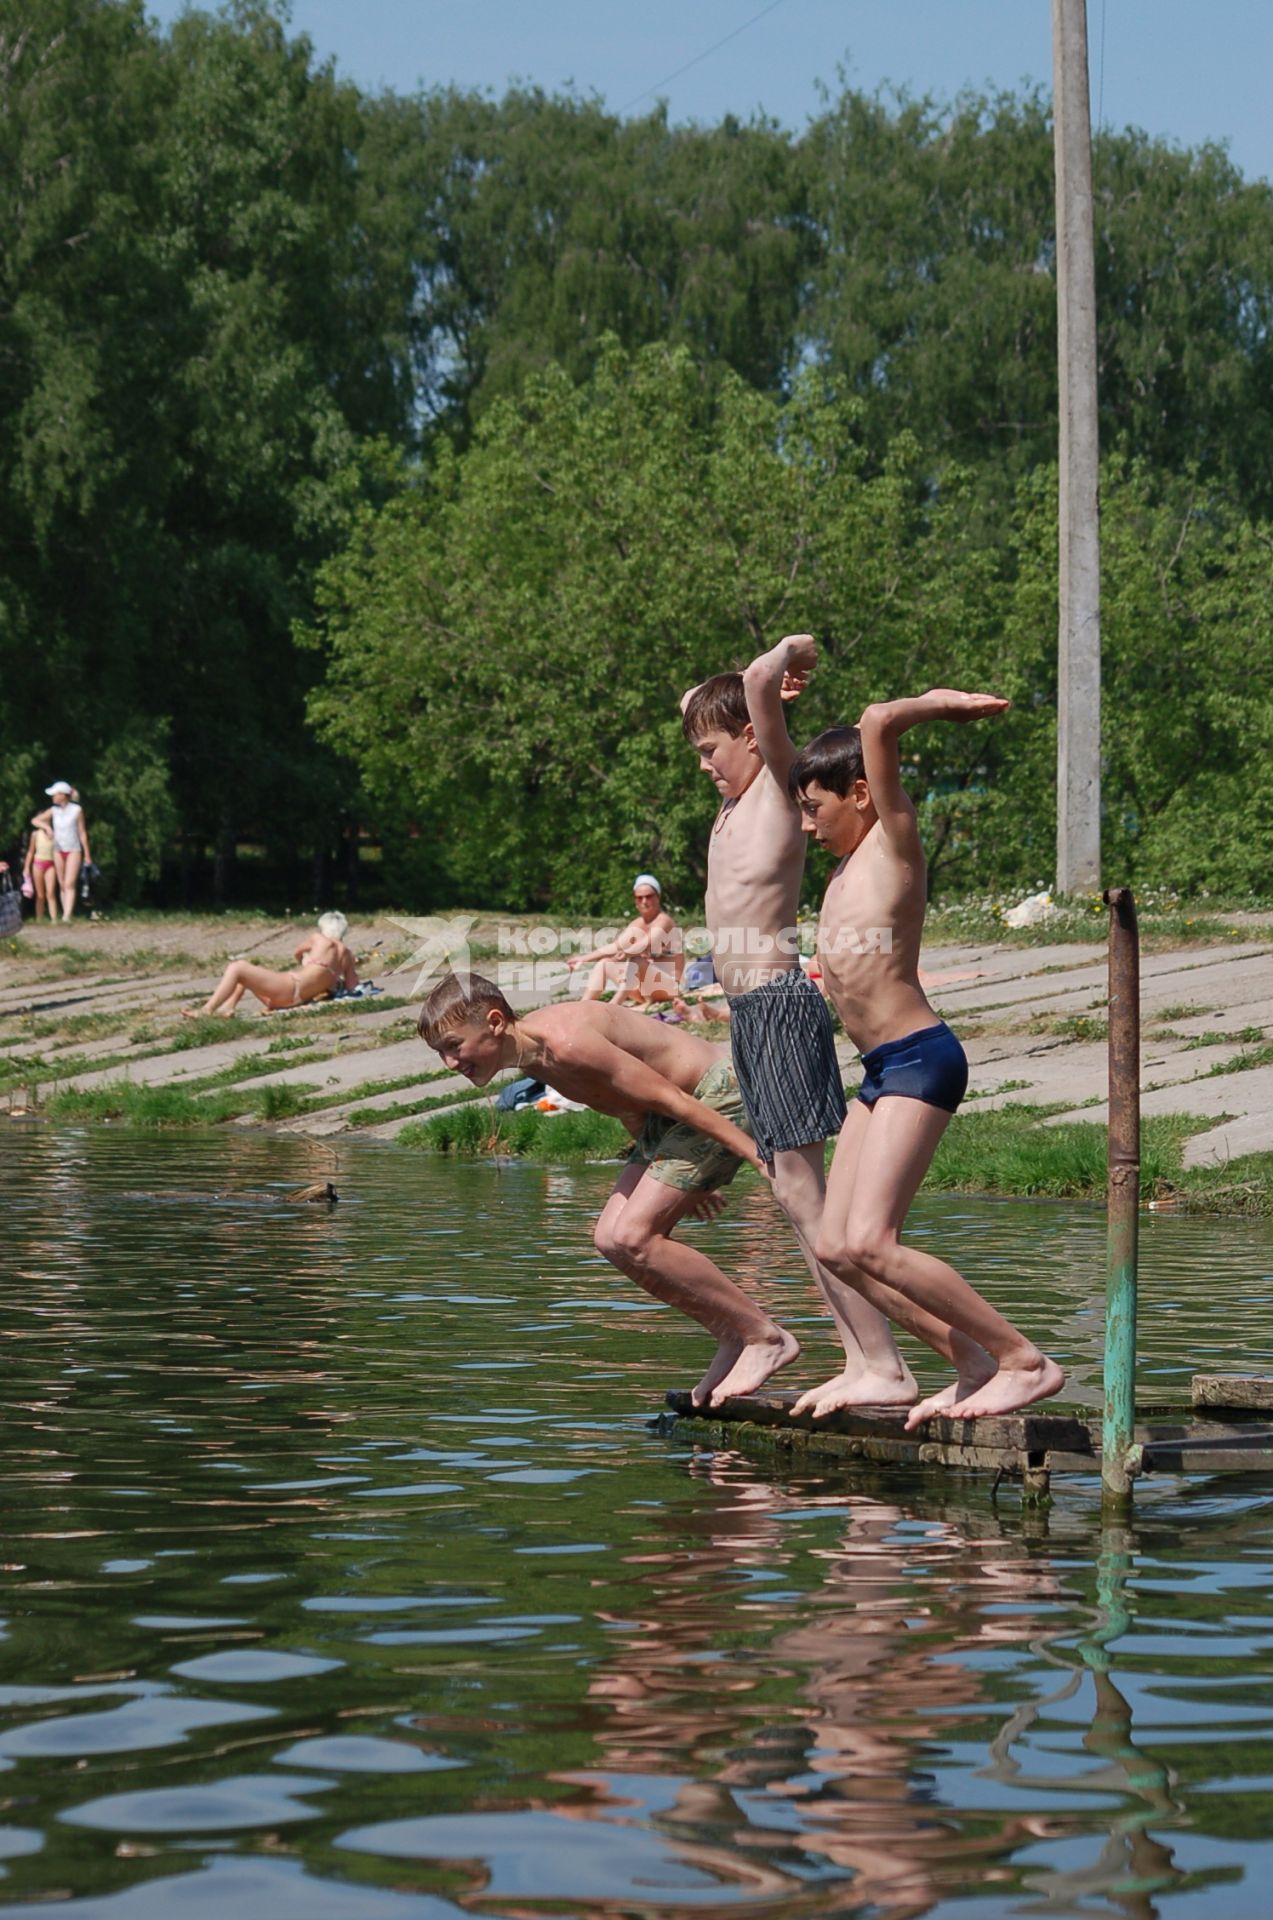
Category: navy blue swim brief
[929,1065]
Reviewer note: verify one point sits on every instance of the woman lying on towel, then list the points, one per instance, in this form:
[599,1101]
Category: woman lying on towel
[323,963]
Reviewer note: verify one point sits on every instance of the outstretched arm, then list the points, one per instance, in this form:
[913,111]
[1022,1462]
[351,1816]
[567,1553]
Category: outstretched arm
[636,1085]
[882,726]
[769,682]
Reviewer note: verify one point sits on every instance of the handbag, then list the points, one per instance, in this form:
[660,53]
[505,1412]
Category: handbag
[10,908]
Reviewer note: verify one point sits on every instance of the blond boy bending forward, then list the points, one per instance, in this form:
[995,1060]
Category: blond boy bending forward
[677,1095]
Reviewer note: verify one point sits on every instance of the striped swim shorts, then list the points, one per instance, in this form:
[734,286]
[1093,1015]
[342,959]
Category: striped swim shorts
[784,1056]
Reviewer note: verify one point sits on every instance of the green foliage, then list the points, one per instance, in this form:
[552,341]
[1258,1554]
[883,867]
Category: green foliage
[508,643]
[130,1105]
[1007,1150]
[194,333]
[1187,673]
[481,1131]
[547,223]
[515,383]
[935,294]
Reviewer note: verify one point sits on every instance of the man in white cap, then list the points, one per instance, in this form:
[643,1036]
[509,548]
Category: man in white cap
[630,965]
[65,821]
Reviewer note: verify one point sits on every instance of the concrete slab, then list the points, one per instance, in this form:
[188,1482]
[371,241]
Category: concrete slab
[1253,1133]
[1234,1094]
[351,1069]
[336,1119]
[1169,976]
[170,1069]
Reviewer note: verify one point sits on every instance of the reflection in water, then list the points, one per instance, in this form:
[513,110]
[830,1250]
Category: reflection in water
[341,1578]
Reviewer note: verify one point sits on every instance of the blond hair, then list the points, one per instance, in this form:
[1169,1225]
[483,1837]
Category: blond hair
[457,999]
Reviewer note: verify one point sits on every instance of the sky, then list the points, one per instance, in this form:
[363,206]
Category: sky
[1188,71]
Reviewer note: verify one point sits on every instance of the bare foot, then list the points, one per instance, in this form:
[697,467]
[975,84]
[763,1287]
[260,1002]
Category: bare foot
[1010,1389]
[192,1013]
[859,1387]
[975,1368]
[935,1403]
[723,1362]
[757,1361]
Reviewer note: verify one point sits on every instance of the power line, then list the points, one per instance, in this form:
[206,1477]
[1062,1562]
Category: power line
[698,57]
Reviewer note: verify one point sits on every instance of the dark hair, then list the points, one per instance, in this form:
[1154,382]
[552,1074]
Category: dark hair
[834,760]
[719,705]
[455,1000]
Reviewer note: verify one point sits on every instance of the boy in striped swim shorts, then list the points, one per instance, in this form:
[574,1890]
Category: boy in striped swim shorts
[849,786]
[783,1047]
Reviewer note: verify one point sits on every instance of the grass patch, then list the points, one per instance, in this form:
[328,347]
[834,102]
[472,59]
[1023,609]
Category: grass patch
[1243,1062]
[1184,1010]
[478,1132]
[1070,1026]
[73,960]
[205,1030]
[77,1026]
[126,1104]
[34,1072]
[1248,1036]
[379,1116]
[1008,1151]
[1162,928]
[1004,1086]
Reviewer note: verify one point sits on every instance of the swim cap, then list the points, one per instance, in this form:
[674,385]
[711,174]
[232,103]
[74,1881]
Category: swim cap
[647,880]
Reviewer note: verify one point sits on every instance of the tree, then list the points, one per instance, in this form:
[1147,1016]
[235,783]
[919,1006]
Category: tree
[546,223]
[201,315]
[935,290]
[508,642]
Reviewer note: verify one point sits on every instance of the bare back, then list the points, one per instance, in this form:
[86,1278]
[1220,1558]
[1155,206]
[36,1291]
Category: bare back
[320,950]
[869,938]
[755,866]
[565,1035]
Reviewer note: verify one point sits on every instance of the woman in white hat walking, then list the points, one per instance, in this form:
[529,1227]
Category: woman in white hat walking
[65,821]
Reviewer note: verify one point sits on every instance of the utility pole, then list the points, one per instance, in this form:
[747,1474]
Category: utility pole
[1078,737]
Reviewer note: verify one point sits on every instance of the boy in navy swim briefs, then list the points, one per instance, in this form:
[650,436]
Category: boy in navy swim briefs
[849,787]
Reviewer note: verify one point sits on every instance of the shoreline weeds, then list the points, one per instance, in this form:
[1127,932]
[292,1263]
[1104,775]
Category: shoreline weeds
[91,1034]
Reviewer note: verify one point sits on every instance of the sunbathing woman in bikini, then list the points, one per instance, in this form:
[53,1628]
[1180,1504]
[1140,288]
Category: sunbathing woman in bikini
[323,962]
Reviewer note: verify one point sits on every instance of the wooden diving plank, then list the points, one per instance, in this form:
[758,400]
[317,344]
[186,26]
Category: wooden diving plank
[1029,1432]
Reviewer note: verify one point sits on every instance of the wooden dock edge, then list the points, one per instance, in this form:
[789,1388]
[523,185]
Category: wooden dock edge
[1232,1392]
[1029,1447]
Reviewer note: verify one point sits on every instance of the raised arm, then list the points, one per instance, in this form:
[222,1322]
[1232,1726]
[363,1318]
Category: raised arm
[770,681]
[44,819]
[882,726]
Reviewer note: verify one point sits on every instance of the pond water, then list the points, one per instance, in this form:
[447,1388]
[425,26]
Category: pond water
[343,1578]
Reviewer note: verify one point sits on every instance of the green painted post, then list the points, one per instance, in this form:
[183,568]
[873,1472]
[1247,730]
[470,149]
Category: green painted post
[1118,1458]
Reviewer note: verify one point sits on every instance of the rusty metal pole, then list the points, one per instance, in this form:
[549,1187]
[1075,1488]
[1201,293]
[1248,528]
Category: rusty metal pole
[1119,1460]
